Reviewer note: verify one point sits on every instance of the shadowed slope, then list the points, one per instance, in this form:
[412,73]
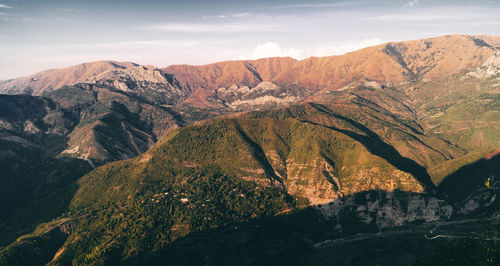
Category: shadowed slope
[471,178]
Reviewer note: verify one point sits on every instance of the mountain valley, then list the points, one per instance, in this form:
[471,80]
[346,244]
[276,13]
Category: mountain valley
[110,163]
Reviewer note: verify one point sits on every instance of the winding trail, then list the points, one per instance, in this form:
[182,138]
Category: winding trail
[449,229]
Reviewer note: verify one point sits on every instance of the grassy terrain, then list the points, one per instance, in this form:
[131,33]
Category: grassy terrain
[229,171]
[463,111]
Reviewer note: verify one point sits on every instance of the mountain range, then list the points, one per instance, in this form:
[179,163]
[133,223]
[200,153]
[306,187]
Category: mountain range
[115,162]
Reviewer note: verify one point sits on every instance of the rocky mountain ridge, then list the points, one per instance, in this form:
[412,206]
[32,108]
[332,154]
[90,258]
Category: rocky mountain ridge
[50,80]
[391,64]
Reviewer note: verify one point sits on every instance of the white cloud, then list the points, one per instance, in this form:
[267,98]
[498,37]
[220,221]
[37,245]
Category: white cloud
[5,6]
[241,15]
[235,15]
[273,49]
[412,3]
[125,45]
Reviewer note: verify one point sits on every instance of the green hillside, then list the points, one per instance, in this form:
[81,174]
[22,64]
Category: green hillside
[229,171]
[242,170]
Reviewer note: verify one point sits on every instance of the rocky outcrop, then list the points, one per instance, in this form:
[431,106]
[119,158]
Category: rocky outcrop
[146,82]
[481,198]
[265,94]
[385,209]
[490,68]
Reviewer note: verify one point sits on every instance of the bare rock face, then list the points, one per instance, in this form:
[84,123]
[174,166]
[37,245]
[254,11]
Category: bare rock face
[150,83]
[386,209]
[265,94]
[488,69]
[481,197]
[136,74]
[318,181]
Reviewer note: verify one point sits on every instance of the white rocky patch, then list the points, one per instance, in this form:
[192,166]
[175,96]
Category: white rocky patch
[6,124]
[72,150]
[386,210]
[264,93]
[234,89]
[30,127]
[470,206]
[139,73]
[267,99]
[267,86]
[488,69]
[146,79]
[372,84]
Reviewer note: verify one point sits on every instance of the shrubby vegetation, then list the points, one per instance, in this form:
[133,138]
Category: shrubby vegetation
[159,212]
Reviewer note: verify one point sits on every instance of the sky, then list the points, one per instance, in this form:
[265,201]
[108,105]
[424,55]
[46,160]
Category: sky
[36,35]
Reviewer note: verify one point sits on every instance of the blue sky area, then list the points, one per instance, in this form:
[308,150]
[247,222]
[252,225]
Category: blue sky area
[40,34]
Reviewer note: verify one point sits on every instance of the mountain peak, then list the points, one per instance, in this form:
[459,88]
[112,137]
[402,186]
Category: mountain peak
[53,79]
[391,64]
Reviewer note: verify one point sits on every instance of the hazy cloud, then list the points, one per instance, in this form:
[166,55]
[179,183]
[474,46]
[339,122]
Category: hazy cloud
[125,44]
[214,28]
[3,13]
[235,15]
[322,5]
[412,3]
[241,15]
[346,47]
[408,17]
[70,10]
